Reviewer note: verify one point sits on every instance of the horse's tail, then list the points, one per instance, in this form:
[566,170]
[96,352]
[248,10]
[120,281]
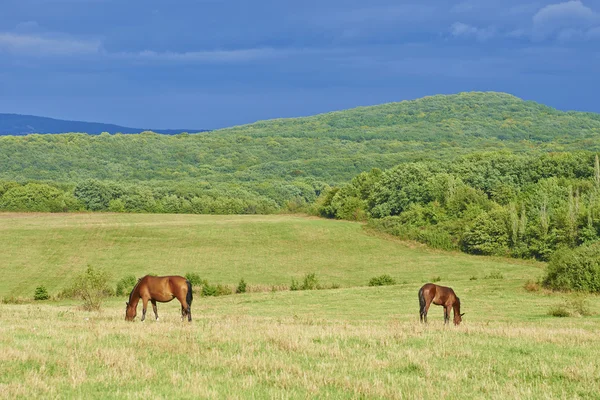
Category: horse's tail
[190,295]
[421,301]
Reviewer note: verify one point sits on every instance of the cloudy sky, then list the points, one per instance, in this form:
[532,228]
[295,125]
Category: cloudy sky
[216,63]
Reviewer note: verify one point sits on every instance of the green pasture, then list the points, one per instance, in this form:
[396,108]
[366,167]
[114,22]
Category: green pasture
[49,249]
[353,342]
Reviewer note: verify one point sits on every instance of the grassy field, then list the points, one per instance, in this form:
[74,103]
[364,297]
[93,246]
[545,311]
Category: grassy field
[352,342]
[49,249]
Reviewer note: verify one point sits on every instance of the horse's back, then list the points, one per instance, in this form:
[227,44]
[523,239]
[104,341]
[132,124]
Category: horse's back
[428,290]
[436,293]
[163,288]
[428,286]
[153,279]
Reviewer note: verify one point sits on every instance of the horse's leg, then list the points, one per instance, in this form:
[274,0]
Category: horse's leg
[154,308]
[145,305]
[447,314]
[185,309]
[427,304]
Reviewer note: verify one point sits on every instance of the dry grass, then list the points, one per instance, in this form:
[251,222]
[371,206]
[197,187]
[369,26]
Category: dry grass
[58,351]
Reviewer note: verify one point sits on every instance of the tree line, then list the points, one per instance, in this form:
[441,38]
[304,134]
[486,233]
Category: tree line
[493,203]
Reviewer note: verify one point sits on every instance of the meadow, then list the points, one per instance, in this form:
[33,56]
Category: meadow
[353,342]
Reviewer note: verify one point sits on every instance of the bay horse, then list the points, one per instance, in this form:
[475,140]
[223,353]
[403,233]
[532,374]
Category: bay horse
[440,296]
[162,289]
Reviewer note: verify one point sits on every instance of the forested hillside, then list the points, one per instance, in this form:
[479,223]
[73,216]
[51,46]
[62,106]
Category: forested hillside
[449,119]
[494,203]
[270,165]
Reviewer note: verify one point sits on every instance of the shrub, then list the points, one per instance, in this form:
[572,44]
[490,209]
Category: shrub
[382,280]
[310,282]
[37,197]
[41,293]
[116,205]
[241,287]
[223,290]
[576,307]
[436,279]
[487,234]
[194,279]
[215,290]
[580,306]
[577,269]
[531,286]
[559,311]
[295,285]
[125,285]
[92,287]
[208,289]
[436,238]
[494,275]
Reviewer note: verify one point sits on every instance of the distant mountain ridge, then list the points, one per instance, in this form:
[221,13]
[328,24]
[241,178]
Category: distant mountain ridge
[19,125]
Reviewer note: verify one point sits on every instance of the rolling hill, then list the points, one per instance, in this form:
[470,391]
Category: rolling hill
[17,124]
[330,147]
[439,118]
[287,160]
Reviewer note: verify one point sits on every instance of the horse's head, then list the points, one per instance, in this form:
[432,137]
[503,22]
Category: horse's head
[458,318]
[130,312]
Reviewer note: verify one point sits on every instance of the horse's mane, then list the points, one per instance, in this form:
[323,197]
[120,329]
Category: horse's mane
[135,287]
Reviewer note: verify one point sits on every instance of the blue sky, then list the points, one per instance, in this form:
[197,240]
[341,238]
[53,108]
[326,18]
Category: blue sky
[210,64]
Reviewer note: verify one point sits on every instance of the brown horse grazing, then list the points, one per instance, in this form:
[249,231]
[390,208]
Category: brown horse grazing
[440,296]
[163,289]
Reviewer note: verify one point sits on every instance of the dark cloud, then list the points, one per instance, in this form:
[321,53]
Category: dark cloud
[209,64]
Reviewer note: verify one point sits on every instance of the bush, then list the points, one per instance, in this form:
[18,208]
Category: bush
[310,282]
[92,287]
[241,288]
[494,275]
[487,235]
[295,285]
[559,311]
[41,293]
[382,280]
[223,290]
[577,269]
[576,307]
[215,290]
[580,307]
[125,285]
[194,279]
[436,279]
[208,289]
[531,286]
[435,238]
